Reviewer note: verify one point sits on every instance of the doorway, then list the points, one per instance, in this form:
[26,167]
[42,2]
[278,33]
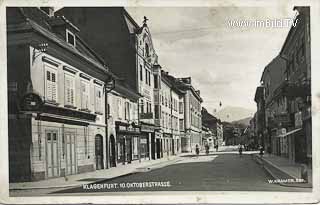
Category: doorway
[99,152]
[70,153]
[52,154]
[112,151]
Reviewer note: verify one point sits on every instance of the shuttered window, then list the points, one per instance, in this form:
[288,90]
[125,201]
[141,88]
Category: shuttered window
[84,95]
[69,89]
[51,84]
[98,99]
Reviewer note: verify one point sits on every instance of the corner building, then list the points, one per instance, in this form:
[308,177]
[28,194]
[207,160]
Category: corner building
[55,97]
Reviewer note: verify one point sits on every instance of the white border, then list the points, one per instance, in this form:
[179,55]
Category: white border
[174,197]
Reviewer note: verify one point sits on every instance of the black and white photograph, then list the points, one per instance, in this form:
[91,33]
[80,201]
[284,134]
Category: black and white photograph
[142,100]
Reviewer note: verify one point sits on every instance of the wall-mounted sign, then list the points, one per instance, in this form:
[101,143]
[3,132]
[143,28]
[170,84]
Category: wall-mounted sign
[31,102]
[298,119]
[148,115]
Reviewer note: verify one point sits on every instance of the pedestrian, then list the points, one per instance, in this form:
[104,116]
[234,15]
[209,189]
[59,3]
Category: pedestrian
[217,147]
[261,151]
[207,149]
[197,150]
[240,150]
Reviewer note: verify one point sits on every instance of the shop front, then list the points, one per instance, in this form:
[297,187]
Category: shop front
[128,136]
[148,141]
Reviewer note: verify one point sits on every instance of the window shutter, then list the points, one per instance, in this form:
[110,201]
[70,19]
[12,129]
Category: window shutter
[84,95]
[48,86]
[98,99]
[67,91]
[54,87]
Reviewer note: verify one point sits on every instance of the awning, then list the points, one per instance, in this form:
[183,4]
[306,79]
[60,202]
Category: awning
[289,133]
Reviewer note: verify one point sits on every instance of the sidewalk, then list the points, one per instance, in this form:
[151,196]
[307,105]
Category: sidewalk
[98,175]
[281,169]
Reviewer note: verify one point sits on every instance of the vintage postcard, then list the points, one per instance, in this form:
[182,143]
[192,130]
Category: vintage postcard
[169,102]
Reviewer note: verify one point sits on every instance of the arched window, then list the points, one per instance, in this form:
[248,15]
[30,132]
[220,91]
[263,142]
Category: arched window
[147,50]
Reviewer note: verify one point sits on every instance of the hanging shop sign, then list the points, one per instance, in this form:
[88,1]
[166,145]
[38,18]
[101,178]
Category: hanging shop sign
[31,102]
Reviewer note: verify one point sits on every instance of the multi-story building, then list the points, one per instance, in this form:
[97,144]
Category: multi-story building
[169,100]
[56,97]
[192,115]
[126,142]
[215,126]
[128,48]
[297,87]
[284,98]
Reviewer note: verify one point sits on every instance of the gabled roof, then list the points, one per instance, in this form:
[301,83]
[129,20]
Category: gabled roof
[37,20]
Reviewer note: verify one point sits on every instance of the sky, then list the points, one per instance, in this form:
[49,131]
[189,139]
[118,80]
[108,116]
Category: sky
[225,63]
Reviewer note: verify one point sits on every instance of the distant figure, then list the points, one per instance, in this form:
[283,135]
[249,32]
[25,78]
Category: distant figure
[207,149]
[197,150]
[240,149]
[261,150]
[217,147]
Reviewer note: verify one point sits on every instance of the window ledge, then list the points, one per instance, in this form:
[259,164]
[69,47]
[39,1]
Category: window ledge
[85,110]
[70,106]
[51,102]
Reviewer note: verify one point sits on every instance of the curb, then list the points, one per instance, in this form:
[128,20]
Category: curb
[262,162]
[134,171]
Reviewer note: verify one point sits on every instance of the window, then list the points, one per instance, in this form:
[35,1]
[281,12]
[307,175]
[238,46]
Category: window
[155,79]
[156,111]
[147,50]
[141,73]
[142,107]
[149,80]
[71,38]
[69,90]
[84,95]
[98,99]
[127,111]
[146,73]
[51,84]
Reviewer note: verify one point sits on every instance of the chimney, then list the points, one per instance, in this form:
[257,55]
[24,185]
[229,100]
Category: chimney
[48,10]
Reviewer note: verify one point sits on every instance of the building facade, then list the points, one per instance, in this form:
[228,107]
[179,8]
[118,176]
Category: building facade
[128,48]
[286,95]
[192,115]
[126,142]
[56,98]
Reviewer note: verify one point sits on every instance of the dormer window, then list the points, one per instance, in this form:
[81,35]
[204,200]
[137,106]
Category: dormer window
[70,37]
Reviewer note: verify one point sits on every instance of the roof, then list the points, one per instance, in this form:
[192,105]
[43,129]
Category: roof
[37,20]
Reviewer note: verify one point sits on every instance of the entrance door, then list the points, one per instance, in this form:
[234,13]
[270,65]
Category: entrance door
[129,149]
[99,152]
[112,151]
[70,153]
[52,154]
[158,148]
[153,147]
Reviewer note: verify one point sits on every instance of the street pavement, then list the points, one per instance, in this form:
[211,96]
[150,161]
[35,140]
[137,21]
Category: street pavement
[218,171]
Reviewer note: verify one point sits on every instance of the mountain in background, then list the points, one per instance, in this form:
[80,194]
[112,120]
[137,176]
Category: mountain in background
[244,121]
[230,114]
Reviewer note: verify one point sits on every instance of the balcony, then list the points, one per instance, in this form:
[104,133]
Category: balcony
[293,90]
